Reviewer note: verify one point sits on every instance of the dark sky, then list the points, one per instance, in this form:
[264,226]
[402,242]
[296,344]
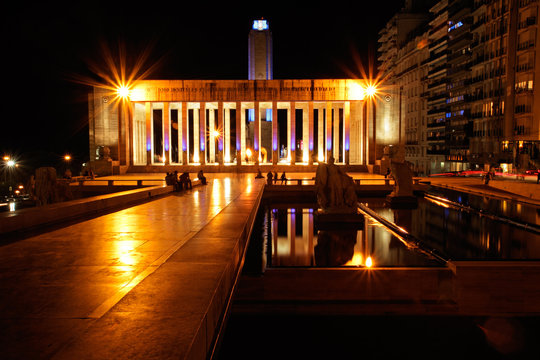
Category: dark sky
[45,46]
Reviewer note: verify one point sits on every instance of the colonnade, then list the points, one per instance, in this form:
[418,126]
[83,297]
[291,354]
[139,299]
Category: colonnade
[249,132]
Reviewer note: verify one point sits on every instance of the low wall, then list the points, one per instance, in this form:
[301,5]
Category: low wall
[525,189]
[29,218]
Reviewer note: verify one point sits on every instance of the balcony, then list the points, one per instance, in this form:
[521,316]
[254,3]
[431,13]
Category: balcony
[527,22]
[435,124]
[438,110]
[436,151]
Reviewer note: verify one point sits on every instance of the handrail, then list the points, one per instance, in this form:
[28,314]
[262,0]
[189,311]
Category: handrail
[525,226]
[402,234]
[387,181]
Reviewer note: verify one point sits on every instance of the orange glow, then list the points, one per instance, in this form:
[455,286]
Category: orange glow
[356,91]
[123,91]
[249,153]
[371,90]
[216,133]
[6,158]
[356,260]
[67,157]
[21,187]
[369,262]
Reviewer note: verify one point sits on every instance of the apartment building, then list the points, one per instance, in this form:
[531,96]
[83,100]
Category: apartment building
[482,109]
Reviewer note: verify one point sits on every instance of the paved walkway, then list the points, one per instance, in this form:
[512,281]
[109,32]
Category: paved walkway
[130,284]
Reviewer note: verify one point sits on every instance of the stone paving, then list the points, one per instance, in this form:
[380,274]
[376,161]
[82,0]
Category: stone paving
[135,283]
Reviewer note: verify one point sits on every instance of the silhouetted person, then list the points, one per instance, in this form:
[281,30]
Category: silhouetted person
[269,177]
[185,181]
[201,177]
[283,178]
[174,180]
[259,175]
[387,173]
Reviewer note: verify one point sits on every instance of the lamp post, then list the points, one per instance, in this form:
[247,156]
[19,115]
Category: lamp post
[67,159]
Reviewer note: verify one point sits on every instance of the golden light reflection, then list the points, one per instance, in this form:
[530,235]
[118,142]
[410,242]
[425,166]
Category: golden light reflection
[440,203]
[369,262]
[356,260]
[227,187]
[216,192]
[124,251]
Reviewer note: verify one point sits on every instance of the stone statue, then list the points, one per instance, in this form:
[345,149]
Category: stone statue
[105,153]
[402,195]
[48,189]
[45,185]
[403,176]
[335,189]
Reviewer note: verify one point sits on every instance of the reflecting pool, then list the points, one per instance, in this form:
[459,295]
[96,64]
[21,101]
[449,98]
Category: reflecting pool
[289,235]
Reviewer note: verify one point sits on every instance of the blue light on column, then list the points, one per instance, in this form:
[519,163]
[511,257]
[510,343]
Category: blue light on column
[251,115]
[268,114]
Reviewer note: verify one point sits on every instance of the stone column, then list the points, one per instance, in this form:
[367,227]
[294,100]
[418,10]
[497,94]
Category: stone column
[292,130]
[166,132]
[328,142]
[130,112]
[148,115]
[211,136]
[123,131]
[184,123]
[257,133]
[220,129]
[346,129]
[320,135]
[366,132]
[239,133]
[310,133]
[275,142]
[227,136]
[243,145]
[202,133]
[335,135]
[305,134]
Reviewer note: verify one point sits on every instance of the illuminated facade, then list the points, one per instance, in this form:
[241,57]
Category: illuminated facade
[482,107]
[168,125]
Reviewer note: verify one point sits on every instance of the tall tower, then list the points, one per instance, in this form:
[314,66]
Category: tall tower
[260,51]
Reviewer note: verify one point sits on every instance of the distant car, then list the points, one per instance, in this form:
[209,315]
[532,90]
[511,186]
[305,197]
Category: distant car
[471,173]
[532,172]
[443,174]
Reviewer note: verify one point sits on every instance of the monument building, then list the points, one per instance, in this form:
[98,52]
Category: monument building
[241,125]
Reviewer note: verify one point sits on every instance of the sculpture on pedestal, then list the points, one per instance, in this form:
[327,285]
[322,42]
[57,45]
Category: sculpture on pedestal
[335,189]
[402,195]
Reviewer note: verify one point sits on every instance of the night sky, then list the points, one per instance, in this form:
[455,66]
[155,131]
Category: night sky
[47,48]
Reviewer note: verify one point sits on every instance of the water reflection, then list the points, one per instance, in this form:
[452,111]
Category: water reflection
[294,240]
[462,235]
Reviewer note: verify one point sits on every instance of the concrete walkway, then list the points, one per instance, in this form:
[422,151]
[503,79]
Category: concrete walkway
[146,282]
